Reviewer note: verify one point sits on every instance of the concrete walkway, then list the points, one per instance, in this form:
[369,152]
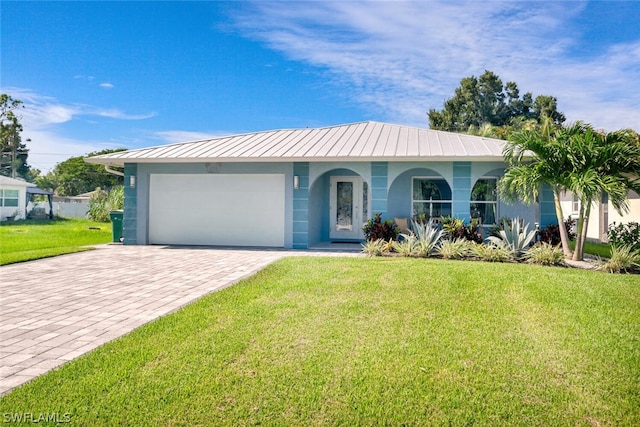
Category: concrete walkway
[54,310]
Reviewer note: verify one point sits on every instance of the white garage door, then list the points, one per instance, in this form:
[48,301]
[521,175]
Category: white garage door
[227,210]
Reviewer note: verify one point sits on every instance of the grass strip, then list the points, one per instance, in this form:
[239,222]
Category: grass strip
[29,240]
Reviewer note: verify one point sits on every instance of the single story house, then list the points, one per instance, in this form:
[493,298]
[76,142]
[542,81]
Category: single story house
[13,198]
[15,195]
[301,188]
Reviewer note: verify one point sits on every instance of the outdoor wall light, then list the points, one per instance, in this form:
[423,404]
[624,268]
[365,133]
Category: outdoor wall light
[296,182]
[132,181]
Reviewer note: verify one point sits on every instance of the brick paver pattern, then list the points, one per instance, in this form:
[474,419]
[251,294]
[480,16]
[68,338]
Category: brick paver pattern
[56,309]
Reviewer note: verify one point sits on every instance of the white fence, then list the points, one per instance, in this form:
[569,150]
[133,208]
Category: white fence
[66,209]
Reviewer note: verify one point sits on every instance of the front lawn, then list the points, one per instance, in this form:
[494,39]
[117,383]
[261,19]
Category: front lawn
[28,240]
[370,341]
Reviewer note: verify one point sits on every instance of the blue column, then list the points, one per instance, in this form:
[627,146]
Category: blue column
[129,220]
[461,190]
[379,178]
[301,207]
[547,207]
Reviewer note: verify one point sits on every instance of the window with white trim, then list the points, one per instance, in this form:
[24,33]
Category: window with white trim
[484,200]
[9,198]
[575,204]
[431,197]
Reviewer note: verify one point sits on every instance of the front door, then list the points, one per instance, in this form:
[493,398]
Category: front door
[349,207]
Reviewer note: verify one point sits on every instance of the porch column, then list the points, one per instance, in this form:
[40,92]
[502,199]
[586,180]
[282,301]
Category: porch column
[461,205]
[547,207]
[379,193]
[129,219]
[301,206]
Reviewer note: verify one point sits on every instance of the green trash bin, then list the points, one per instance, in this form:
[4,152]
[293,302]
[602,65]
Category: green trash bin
[116,225]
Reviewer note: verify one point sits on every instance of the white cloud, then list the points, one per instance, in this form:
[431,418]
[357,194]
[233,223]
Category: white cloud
[401,58]
[106,85]
[41,111]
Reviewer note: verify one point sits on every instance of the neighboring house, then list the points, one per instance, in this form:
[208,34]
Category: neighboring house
[300,188]
[603,214]
[13,198]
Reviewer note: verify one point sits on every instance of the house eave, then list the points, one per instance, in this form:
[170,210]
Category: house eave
[165,160]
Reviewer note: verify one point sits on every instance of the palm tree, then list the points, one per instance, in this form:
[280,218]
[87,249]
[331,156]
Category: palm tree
[601,163]
[535,157]
[575,158]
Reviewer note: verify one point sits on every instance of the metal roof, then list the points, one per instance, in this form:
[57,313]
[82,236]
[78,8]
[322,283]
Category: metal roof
[5,180]
[364,141]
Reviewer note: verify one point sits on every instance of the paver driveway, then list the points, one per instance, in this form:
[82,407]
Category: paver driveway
[53,310]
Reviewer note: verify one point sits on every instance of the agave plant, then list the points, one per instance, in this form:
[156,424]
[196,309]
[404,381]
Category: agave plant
[514,237]
[427,237]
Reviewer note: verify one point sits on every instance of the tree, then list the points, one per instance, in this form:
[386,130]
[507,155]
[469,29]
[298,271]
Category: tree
[13,153]
[601,163]
[574,158]
[545,158]
[484,100]
[75,176]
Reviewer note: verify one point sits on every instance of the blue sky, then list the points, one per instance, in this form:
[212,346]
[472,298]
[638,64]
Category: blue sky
[96,75]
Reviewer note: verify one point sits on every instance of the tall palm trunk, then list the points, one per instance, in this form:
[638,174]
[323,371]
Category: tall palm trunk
[564,236]
[581,232]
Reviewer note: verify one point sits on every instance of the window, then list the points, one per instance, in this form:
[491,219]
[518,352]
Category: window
[9,198]
[431,197]
[575,205]
[484,200]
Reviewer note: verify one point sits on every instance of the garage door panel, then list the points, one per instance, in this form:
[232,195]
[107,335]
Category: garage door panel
[221,209]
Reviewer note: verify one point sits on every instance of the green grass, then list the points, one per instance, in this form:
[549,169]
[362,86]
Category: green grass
[29,240]
[370,341]
[602,250]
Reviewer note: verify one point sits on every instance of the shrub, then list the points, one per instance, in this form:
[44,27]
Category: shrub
[492,253]
[625,235]
[102,202]
[376,229]
[514,237]
[427,237]
[544,253]
[455,249]
[623,258]
[551,233]
[406,245]
[455,228]
[374,247]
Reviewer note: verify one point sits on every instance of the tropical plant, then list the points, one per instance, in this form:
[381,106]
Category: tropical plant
[376,228]
[544,253]
[491,253]
[374,247]
[624,234]
[427,237]
[514,237]
[406,246]
[455,249]
[535,158]
[623,259]
[576,158]
[102,202]
[455,228]
[551,233]
[601,163]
